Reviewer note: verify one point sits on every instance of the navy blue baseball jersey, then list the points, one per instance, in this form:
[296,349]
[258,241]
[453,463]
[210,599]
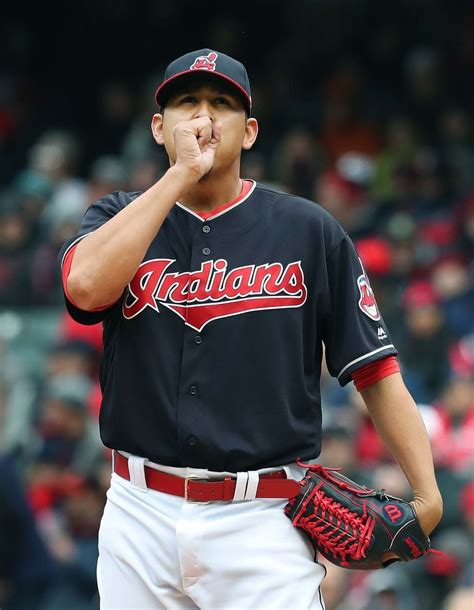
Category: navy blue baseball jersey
[212,356]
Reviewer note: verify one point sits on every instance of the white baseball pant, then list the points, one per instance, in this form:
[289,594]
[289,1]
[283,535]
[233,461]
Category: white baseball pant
[160,551]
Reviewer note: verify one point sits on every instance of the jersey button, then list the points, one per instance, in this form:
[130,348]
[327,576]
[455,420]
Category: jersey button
[192,440]
[206,251]
[206,229]
[198,339]
[193,390]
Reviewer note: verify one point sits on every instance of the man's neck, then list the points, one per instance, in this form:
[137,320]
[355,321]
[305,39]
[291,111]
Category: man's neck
[212,191]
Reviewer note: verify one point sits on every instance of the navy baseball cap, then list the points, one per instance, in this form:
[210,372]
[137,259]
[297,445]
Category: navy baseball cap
[210,62]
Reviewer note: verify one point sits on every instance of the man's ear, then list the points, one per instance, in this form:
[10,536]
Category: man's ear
[157,128]
[251,132]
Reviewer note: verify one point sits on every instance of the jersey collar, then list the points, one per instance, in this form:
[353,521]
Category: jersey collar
[227,207]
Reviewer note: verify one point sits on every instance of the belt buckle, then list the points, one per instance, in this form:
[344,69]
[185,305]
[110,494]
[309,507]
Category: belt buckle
[194,477]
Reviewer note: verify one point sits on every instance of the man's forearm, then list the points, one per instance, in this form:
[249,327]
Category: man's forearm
[399,424]
[107,259]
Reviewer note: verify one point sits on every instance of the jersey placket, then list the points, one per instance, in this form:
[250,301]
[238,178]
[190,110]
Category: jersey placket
[192,416]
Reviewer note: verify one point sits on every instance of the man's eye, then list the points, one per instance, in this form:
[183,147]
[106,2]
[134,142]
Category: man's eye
[222,100]
[188,99]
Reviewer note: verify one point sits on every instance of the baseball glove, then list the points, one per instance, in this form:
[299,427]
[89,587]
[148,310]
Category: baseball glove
[352,525]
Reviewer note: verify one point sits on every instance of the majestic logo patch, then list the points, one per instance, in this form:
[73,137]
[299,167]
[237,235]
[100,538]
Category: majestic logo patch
[205,62]
[212,292]
[367,302]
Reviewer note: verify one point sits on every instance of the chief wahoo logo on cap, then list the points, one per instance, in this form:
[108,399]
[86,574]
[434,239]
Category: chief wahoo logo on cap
[205,62]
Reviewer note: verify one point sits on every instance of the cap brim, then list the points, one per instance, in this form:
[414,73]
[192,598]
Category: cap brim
[165,84]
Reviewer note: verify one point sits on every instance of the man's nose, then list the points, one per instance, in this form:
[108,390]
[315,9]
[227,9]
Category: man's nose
[204,108]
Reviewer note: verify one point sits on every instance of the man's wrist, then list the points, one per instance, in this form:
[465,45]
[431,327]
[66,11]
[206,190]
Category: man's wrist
[429,510]
[184,176]
[429,497]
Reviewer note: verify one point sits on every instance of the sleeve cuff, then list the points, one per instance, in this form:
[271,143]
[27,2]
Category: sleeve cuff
[65,270]
[375,371]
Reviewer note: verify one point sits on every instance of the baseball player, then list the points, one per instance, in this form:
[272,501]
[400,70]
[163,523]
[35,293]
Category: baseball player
[216,296]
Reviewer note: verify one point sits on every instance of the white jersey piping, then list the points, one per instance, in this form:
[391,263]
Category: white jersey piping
[183,207]
[72,245]
[375,351]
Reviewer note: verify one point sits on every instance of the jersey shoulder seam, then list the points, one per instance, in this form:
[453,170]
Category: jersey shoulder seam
[274,191]
[338,245]
[269,189]
[132,195]
[115,196]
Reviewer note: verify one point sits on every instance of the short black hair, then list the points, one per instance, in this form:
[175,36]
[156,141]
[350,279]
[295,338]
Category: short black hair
[184,83]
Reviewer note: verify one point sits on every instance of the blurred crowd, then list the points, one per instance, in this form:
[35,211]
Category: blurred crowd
[392,161]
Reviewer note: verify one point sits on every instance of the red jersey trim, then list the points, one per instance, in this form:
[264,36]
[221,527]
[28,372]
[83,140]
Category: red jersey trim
[375,371]
[246,186]
[247,189]
[65,270]
[361,358]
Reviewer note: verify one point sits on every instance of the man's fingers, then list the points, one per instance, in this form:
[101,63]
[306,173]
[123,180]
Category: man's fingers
[196,142]
[204,132]
[198,127]
[202,126]
[216,131]
[210,134]
[388,555]
[211,137]
[201,121]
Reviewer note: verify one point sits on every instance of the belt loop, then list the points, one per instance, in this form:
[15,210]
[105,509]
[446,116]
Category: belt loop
[240,486]
[136,470]
[251,492]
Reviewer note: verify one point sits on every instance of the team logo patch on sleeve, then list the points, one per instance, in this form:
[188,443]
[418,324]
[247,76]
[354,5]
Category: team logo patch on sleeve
[367,302]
